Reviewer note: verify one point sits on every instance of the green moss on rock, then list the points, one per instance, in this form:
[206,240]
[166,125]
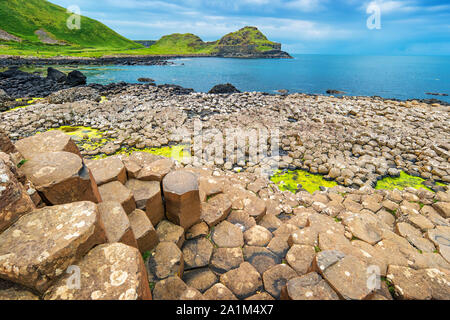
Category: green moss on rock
[402,182]
[291,181]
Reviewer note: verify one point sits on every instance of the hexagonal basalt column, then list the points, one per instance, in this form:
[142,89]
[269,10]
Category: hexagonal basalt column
[182,198]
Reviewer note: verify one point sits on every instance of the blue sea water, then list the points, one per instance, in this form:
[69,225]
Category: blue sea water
[401,77]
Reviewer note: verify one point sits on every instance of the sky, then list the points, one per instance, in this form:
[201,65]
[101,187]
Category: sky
[401,27]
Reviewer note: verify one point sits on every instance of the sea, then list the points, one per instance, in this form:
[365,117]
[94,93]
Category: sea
[399,77]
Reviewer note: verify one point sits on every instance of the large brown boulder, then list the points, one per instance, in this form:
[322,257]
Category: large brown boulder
[146,236]
[50,141]
[109,272]
[5,143]
[12,291]
[115,191]
[61,177]
[41,245]
[14,200]
[345,274]
[116,223]
[182,198]
[157,170]
[147,195]
[107,170]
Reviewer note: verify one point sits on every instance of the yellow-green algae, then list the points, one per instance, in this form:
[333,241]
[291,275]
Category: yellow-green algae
[29,102]
[402,182]
[87,139]
[289,181]
[90,139]
[176,152]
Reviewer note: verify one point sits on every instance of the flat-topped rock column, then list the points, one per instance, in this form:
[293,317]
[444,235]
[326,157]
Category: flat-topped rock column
[182,198]
[50,141]
[61,177]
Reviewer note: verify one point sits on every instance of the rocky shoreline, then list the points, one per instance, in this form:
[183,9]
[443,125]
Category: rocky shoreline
[131,60]
[226,223]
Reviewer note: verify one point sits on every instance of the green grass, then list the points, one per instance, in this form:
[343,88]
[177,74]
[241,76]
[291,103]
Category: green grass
[247,36]
[181,44]
[22,18]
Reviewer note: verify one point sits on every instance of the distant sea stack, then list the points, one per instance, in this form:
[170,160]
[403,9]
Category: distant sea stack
[247,42]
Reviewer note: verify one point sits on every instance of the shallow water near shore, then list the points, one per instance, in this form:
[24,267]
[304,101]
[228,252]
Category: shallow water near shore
[397,77]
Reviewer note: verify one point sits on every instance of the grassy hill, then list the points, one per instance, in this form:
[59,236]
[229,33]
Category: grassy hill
[22,18]
[39,28]
[248,37]
[177,43]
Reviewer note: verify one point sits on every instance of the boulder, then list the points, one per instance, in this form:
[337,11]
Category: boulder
[219,292]
[409,284]
[166,261]
[172,288]
[147,195]
[197,253]
[308,287]
[197,231]
[440,236]
[227,235]
[116,191]
[257,236]
[300,258]
[75,78]
[61,177]
[224,88]
[116,223]
[50,141]
[14,292]
[56,75]
[108,272]
[144,232]
[346,274]
[276,278]
[156,171]
[262,259]
[6,145]
[47,241]
[244,281]
[107,170]
[443,208]
[201,279]
[215,210]
[226,259]
[182,198]
[167,231]
[14,200]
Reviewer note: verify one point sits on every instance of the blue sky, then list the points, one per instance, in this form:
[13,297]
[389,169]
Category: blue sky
[408,27]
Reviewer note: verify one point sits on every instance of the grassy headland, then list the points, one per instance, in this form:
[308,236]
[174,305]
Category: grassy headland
[39,28]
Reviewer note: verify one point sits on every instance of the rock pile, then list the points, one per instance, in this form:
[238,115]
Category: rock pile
[206,233]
